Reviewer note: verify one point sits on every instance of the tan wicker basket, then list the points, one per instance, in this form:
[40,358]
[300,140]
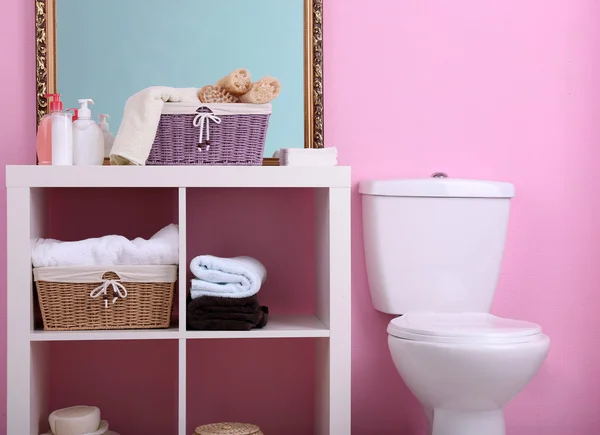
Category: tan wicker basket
[80,298]
[228,429]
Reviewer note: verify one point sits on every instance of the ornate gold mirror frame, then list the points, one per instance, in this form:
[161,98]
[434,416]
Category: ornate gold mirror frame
[45,41]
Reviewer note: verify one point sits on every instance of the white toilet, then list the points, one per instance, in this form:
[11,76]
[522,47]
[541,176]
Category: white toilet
[433,250]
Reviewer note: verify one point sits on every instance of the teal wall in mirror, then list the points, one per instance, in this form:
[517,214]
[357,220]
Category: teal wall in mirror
[109,50]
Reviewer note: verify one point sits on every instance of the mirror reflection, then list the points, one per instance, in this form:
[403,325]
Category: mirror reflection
[109,50]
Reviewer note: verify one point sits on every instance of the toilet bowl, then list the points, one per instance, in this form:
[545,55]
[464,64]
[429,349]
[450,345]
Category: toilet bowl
[465,367]
[433,251]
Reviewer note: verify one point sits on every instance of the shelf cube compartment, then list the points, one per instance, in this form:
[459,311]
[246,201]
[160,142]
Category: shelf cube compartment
[134,383]
[278,232]
[268,383]
[68,214]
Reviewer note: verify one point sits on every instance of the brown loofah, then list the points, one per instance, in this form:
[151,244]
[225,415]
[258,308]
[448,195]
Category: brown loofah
[237,83]
[262,92]
[216,94]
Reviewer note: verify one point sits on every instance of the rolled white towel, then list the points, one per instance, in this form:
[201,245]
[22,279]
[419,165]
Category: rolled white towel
[161,249]
[237,277]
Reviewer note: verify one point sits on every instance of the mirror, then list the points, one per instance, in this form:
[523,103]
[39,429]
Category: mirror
[109,50]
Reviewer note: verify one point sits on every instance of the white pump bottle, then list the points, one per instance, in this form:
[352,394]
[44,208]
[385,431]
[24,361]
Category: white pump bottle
[109,139]
[88,139]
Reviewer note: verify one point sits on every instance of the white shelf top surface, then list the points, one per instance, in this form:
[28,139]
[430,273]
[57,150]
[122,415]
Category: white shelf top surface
[106,335]
[178,176]
[279,326]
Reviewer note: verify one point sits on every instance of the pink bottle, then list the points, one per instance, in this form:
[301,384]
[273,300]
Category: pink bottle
[43,142]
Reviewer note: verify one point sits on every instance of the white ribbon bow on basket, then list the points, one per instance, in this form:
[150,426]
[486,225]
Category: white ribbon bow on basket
[119,291]
[200,120]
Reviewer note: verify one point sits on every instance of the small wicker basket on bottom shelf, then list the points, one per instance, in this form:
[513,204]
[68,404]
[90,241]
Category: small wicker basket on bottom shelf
[101,298]
[228,429]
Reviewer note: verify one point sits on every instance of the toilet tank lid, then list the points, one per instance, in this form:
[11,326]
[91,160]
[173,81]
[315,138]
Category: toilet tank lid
[438,187]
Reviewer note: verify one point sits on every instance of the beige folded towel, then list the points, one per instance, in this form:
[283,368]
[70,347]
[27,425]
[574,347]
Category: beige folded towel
[262,92]
[140,121]
[237,83]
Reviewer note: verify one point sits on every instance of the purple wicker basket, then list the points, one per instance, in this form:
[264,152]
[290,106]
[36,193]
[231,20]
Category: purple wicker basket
[211,134]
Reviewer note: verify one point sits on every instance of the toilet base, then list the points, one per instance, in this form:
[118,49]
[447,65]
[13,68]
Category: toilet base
[450,422]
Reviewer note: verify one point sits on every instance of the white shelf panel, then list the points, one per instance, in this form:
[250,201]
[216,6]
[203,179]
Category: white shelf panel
[135,334]
[28,395]
[177,176]
[279,326]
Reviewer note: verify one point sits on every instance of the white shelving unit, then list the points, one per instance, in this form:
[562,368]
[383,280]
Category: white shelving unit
[330,324]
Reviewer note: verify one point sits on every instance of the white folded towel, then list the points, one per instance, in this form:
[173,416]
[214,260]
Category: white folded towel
[161,249]
[237,277]
[140,121]
[307,156]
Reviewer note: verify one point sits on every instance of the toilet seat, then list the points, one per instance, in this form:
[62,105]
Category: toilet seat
[464,328]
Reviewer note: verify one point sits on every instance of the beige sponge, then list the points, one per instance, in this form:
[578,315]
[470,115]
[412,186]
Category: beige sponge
[216,94]
[262,92]
[237,83]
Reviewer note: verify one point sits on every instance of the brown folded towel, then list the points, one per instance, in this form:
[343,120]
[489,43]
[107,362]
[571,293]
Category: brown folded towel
[225,314]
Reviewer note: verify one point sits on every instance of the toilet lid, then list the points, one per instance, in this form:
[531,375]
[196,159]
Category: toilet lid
[462,328]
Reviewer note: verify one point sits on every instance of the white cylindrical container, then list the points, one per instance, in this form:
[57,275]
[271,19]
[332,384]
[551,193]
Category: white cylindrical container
[62,139]
[88,139]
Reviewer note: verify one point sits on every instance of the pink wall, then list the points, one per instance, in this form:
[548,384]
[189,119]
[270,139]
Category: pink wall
[17,134]
[501,90]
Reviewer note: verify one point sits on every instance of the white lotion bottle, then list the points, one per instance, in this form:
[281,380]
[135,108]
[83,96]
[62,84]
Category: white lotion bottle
[62,139]
[88,139]
[109,139]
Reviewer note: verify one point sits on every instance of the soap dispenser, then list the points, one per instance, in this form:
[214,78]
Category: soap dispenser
[88,139]
[54,141]
[109,139]
[74,113]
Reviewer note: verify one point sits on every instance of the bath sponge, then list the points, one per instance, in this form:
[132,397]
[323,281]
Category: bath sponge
[263,91]
[216,94]
[237,83]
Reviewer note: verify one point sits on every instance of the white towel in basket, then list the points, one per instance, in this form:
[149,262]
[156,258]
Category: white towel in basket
[161,249]
[140,121]
[237,277]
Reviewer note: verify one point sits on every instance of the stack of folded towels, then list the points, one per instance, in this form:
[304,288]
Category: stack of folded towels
[223,295]
[307,156]
[161,249]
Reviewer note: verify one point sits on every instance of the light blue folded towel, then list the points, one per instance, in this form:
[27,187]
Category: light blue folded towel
[237,277]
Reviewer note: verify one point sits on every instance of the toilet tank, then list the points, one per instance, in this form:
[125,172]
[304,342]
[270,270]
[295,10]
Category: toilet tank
[434,244]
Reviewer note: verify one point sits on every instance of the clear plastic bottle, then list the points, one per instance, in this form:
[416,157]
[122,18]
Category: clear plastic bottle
[88,139]
[54,141]
[109,139]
